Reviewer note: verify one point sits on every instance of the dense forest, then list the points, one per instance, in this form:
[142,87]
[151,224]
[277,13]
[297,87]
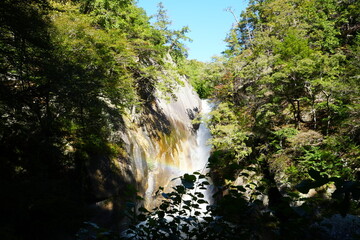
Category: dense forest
[69,71]
[285,160]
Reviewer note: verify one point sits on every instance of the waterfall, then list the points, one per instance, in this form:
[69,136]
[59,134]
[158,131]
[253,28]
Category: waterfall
[202,150]
[162,143]
[180,146]
[199,152]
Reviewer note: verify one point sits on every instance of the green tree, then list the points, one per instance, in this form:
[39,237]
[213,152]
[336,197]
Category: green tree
[203,76]
[287,68]
[69,71]
[173,38]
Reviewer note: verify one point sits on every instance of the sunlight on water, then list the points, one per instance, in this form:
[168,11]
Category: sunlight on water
[158,160]
[202,150]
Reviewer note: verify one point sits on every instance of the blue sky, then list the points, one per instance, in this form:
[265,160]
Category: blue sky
[207,19]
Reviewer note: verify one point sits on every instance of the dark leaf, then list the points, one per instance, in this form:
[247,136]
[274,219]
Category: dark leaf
[202,201]
[241,188]
[304,186]
[161,214]
[142,209]
[141,217]
[315,174]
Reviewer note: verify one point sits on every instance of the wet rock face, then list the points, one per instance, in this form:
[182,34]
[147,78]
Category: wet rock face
[159,141]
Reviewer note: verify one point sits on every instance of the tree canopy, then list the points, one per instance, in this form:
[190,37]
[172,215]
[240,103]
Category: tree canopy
[69,72]
[286,118]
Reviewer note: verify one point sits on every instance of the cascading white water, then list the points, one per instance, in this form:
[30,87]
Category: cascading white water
[156,160]
[201,152]
[179,151]
[195,160]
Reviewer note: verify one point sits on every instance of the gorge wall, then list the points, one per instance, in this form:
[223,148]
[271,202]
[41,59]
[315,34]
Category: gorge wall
[160,142]
[161,139]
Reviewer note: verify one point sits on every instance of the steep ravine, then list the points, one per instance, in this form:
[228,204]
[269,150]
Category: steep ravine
[161,142]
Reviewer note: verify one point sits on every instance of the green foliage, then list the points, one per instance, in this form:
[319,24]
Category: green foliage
[173,38]
[287,103]
[179,216]
[280,136]
[237,216]
[322,161]
[294,46]
[287,74]
[186,214]
[345,193]
[194,70]
[69,70]
[227,136]
[203,76]
[288,100]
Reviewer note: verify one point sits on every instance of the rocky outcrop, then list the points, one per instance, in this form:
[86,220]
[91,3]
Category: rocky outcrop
[158,145]
[159,141]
